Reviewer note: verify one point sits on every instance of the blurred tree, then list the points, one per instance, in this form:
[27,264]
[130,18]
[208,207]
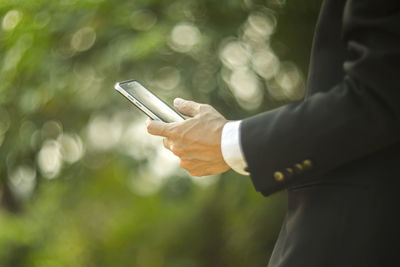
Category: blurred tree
[81,183]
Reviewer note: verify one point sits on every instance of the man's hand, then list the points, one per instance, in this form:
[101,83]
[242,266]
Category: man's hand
[197,140]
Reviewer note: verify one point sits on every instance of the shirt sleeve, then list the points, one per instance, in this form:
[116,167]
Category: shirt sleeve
[231,147]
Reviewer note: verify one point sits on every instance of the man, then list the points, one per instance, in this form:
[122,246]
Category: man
[337,152]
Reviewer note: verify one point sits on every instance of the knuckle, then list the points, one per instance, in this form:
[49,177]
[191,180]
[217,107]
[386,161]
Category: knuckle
[204,108]
[177,151]
[195,173]
[184,164]
[149,128]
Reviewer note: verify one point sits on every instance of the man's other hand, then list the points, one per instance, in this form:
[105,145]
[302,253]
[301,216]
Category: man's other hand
[197,140]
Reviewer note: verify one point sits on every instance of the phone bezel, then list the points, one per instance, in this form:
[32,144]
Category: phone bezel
[138,103]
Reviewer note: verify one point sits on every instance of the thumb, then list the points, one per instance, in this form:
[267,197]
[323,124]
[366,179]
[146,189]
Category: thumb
[186,107]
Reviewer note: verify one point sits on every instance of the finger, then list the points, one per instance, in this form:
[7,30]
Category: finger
[195,168]
[186,107]
[148,121]
[159,128]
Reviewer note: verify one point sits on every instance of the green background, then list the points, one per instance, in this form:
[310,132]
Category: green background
[82,183]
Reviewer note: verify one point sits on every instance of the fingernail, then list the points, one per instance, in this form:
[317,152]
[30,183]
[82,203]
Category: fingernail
[178,101]
[148,121]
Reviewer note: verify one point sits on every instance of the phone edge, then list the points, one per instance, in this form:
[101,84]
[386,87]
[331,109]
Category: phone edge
[134,101]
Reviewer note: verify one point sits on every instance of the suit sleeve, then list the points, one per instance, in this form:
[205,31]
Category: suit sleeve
[357,117]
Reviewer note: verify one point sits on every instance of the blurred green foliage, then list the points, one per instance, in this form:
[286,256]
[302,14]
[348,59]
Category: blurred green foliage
[81,183]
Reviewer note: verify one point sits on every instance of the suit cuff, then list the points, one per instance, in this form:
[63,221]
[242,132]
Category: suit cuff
[231,147]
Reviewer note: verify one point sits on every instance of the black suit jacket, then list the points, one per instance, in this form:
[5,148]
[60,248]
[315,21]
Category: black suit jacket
[338,152]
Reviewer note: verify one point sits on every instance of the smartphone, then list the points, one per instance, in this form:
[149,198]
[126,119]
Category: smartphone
[147,102]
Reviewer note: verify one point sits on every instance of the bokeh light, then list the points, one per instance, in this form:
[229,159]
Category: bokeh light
[50,159]
[72,148]
[260,26]
[103,133]
[184,37]
[83,39]
[265,63]
[23,181]
[143,20]
[288,83]
[167,78]
[15,54]
[235,54]
[246,87]
[42,19]
[11,20]
[136,142]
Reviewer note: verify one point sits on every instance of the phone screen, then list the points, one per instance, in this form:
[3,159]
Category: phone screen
[151,101]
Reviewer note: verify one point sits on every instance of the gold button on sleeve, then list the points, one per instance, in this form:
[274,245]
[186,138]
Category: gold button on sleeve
[279,177]
[298,167]
[307,164]
[289,170]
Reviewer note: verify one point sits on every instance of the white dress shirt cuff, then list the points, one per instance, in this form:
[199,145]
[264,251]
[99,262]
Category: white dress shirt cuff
[231,147]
